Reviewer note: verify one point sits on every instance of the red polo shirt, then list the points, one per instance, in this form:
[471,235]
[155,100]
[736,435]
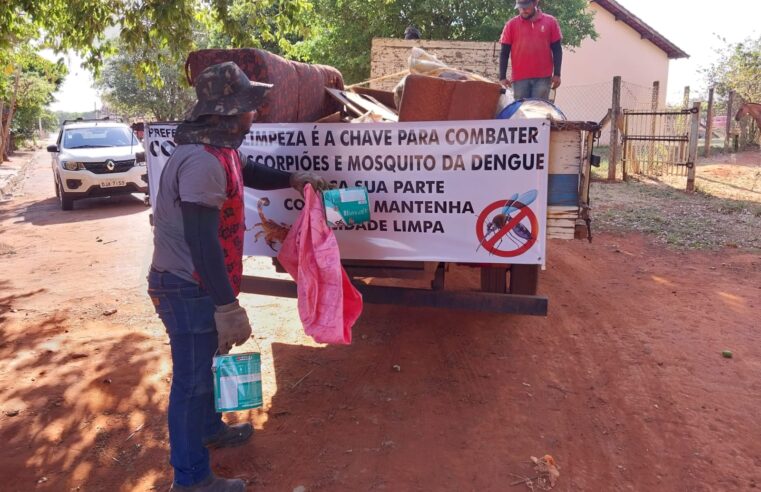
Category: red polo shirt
[530,42]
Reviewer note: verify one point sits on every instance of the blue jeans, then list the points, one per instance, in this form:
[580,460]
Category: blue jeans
[532,88]
[188,315]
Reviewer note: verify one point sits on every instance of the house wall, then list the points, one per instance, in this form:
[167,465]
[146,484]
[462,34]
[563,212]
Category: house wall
[619,50]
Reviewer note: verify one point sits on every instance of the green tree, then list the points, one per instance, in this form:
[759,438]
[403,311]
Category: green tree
[27,84]
[737,68]
[163,97]
[164,26]
[343,29]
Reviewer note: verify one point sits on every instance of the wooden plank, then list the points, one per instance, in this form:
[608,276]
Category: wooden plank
[477,46]
[565,152]
[524,279]
[339,96]
[554,211]
[384,97]
[561,209]
[562,220]
[369,104]
[560,232]
[563,216]
[562,229]
[565,226]
[331,118]
[565,234]
[561,223]
[494,279]
[563,189]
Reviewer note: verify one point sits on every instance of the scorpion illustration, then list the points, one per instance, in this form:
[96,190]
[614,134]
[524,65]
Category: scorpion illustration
[273,232]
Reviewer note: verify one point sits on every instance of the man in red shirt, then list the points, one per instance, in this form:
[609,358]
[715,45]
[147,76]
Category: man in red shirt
[533,38]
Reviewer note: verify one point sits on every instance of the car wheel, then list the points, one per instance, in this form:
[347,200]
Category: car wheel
[67,203]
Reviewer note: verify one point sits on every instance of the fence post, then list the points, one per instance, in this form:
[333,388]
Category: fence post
[615,117]
[709,125]
[656,95]
[686,101]
[728,136]
[693,151]
[653,119]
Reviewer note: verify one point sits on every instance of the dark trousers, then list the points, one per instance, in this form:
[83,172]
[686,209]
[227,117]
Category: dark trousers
[188,315]
[532,88]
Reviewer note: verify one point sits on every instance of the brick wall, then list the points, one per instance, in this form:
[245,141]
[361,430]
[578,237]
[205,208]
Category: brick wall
[389,56]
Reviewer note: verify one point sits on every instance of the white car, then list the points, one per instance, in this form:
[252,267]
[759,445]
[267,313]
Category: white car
[95,158]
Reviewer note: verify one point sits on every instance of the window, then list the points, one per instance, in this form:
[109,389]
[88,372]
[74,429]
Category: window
[90,138]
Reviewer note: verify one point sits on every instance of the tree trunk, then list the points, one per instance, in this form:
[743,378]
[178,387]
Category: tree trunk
[5,150]
[2,128]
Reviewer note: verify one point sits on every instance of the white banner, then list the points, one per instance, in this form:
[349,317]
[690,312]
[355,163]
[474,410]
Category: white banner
[458,191]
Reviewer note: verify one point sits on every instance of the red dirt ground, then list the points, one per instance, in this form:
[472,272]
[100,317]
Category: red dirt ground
[624,383]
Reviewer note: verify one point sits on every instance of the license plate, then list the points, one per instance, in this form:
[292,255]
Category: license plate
[113,183]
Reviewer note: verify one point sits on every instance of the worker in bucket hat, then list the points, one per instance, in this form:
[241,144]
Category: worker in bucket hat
[534,40]
[197,265]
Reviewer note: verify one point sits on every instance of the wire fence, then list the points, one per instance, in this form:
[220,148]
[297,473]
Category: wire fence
[592,102]
[585,102]
[638,97]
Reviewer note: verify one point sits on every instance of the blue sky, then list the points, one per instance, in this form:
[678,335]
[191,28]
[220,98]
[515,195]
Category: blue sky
[690,24]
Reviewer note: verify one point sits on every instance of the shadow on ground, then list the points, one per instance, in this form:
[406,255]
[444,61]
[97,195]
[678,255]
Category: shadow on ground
[82,406]
[48,211]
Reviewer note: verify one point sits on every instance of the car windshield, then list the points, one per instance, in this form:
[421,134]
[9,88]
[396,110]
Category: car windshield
[97,137]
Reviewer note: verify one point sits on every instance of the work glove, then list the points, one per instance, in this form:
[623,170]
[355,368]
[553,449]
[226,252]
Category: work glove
[299,179]
[233,327]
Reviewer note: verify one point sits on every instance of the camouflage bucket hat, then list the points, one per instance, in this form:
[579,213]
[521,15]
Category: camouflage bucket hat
[225,90]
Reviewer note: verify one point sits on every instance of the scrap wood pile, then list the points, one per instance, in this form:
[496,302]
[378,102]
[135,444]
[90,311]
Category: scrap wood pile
[306,93]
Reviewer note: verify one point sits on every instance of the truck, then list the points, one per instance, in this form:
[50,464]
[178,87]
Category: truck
[489,251]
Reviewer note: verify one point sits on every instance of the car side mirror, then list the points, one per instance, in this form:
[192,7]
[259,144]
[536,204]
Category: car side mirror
[139,157]
[52,148]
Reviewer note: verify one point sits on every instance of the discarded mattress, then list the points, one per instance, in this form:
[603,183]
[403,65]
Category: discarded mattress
[531,108]
[298,94]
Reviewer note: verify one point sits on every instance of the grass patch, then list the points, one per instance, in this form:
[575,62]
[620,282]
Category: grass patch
[674,217]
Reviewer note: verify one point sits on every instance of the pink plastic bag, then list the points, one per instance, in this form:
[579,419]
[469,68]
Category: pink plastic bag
[329,304]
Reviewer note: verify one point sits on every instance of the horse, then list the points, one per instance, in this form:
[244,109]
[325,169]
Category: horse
[752,109]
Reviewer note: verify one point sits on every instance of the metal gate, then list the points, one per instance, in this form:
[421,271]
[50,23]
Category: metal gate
[658,143]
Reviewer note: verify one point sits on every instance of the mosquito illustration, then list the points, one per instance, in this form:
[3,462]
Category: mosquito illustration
[501,219]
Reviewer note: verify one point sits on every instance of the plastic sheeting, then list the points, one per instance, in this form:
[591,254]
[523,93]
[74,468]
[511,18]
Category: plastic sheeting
[531,108]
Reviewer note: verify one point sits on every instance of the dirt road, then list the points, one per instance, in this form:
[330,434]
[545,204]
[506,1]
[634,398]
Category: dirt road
[623,383]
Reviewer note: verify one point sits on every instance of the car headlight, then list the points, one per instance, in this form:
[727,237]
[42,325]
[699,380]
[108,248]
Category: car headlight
[73,165]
